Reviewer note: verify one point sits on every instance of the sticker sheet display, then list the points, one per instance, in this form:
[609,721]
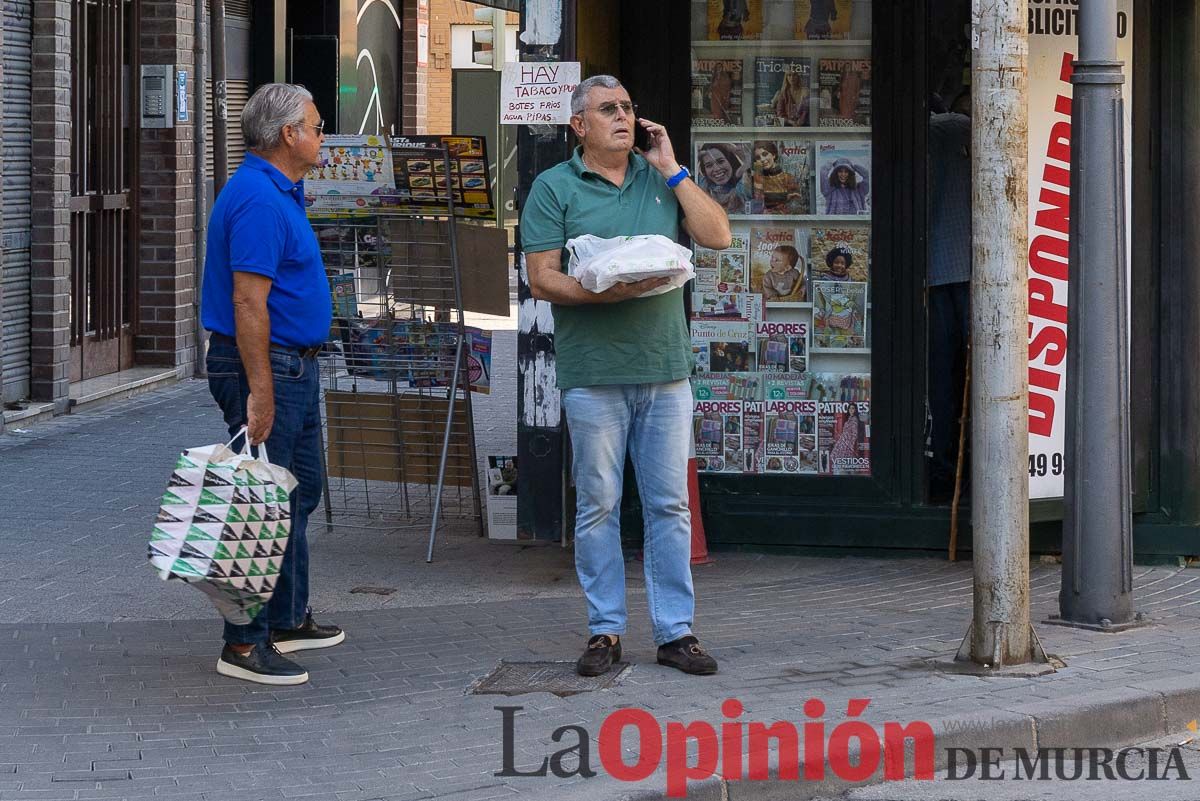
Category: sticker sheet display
[353,177]
[422,180]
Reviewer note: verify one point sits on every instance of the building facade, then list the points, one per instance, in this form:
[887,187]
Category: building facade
[100,224]
[100,215]
[853,472]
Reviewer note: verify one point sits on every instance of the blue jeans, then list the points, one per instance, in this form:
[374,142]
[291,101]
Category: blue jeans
[295,443]
[654,421]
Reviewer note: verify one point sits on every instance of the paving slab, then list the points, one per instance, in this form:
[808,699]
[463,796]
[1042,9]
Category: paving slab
[107,687]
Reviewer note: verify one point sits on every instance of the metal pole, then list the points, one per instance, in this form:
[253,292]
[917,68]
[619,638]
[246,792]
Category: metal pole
[1097,580]
[220,99]
[459,356]
[200,221]
[1000,631]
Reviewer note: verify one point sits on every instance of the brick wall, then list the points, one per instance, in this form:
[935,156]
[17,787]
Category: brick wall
[166,325]
[438,83]
[51,237]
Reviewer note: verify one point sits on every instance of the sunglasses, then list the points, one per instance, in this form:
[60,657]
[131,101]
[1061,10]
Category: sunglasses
[610,109]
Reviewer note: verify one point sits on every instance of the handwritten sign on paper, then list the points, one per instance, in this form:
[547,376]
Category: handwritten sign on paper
[537,92]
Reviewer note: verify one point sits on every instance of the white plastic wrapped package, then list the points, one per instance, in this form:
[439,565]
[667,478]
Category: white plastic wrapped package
[600,263]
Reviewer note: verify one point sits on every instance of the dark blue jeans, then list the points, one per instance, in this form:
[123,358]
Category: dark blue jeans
[949,329]
[294,443]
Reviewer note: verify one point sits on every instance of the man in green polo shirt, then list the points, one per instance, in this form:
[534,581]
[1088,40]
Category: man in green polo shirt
[623,363]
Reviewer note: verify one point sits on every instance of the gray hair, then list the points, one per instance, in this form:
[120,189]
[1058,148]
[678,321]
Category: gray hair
[272,106]
[579,96]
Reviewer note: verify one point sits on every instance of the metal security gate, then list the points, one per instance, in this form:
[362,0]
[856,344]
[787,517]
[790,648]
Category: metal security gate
[103,165]
[14,234]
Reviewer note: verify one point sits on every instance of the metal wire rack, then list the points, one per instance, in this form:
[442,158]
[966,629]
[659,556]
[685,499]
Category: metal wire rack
[398,370]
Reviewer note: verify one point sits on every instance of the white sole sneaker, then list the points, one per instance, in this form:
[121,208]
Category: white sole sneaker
[291,646]
[235,672]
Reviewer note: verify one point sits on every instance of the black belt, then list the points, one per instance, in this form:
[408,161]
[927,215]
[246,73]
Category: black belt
[303,353]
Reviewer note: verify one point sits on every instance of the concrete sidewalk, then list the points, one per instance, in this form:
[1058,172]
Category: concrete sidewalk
[107,686]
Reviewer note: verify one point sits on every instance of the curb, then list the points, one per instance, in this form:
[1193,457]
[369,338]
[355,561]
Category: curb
[1141,712]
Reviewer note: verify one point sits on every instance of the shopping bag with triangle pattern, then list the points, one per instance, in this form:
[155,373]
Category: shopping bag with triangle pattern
[223,526]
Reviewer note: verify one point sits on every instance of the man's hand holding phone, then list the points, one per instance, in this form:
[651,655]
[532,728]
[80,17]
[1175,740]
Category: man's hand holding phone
[656,146]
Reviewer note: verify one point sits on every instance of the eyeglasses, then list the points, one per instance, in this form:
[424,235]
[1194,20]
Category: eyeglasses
[610,109]
[320,126]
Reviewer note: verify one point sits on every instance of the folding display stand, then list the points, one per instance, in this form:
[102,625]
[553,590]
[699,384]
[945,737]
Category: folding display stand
[398,369]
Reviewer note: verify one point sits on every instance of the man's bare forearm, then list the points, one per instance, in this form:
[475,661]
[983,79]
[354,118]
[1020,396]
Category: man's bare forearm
[548,282]
[560,288]
[706,222]
[254,344]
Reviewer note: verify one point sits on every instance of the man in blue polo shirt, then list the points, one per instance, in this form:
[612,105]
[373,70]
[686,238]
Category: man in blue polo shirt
[623,365]
[266,301]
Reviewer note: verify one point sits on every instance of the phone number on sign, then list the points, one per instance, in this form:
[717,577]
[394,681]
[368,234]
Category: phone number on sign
[1040,463]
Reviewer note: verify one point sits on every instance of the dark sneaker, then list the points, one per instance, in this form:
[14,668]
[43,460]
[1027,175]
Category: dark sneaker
[602,651]
[686,654]
[263,665]
[309,636]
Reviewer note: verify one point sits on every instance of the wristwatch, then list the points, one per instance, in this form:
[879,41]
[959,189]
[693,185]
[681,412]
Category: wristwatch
[678,178]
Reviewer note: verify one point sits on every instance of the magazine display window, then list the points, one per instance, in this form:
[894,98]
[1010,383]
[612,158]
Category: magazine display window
[781,320]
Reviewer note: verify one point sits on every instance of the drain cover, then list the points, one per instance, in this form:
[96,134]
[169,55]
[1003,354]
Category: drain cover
[557,678]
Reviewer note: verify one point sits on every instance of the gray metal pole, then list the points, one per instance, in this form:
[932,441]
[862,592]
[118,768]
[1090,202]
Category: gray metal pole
[200,221]
[1000,633]
[1097,581]
[220,99]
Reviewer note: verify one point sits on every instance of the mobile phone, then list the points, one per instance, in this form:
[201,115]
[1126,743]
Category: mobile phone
[641,138]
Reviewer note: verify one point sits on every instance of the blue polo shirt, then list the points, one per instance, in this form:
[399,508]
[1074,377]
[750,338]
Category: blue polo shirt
[258,225]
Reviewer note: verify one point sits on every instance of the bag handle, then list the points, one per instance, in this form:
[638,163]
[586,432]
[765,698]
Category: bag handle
[244,434]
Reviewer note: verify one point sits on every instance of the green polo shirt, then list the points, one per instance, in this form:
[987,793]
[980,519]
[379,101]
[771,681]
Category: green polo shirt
[639,341]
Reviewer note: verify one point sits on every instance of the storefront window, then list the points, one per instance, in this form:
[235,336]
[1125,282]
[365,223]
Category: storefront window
[781,137]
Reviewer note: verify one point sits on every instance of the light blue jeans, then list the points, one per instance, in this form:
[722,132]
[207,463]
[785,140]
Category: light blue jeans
[654,422]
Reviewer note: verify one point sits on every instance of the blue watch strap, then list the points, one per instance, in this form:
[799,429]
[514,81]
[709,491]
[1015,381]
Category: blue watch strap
[678,178]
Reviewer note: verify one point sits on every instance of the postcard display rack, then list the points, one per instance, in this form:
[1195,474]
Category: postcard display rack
[401,363]
[780,321]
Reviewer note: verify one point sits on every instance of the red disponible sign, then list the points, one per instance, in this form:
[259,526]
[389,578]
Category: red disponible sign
[1052,44]
[1048,253]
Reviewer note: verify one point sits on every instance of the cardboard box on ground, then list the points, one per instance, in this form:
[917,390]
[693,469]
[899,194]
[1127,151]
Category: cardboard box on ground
[395,438]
